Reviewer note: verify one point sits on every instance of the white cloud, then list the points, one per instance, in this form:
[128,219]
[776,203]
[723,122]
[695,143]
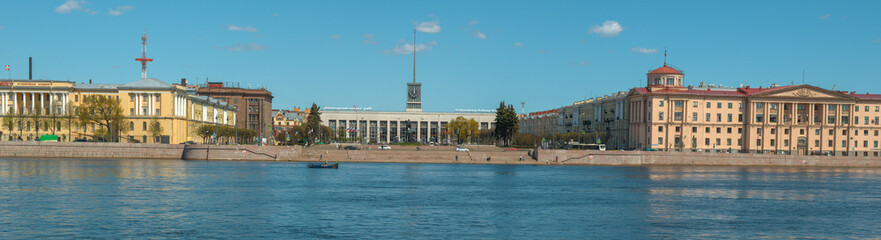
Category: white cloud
[518,44]
[70,5]
[368,39]
[335,37]
[119,10]
[405,48]
[473,22]
[233,27]
[247,47]
[478,34]
[825,17]
[643,50]
[608,29]
[429,27]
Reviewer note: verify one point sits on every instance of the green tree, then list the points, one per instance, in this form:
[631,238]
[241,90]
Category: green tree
[155,129]
[9,120]
[103,111]
[507,123]
[463,130]
[205,131]
[313,125]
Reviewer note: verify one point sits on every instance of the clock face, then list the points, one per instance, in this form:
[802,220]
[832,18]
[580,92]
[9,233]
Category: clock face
[413,92]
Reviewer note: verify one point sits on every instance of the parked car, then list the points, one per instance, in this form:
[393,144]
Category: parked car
[188,142]
[351,148]
[385,147]
[461,149]
[80,140]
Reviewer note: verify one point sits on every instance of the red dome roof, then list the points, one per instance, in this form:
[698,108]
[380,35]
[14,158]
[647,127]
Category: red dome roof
[665,70]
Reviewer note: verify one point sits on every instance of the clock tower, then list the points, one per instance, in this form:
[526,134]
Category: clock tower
[414,97]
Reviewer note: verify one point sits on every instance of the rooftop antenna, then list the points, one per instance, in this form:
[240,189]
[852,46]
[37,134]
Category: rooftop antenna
[522,107]
[143,59]
[414,55]
[665,56]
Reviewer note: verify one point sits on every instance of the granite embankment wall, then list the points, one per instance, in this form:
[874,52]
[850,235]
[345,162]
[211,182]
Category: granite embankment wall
[148,151]
[583,157]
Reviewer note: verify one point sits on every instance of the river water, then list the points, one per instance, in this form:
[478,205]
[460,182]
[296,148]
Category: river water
[87,198]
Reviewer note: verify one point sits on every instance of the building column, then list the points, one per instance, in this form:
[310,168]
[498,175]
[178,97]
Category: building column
[152,104]
[3,98]
[419,131]
[388,131]
[15,103]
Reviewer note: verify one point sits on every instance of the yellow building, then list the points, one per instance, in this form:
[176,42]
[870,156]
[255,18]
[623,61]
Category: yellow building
[178,112]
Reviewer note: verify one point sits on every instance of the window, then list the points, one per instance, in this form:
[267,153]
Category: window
[801,132]
[709,105]
[719,105]
[844,119]
[740,117]
[876,120]
[830,120]
[773,131]
[677,116]
[760,105]
[740,106]
[718,117]
[831,132]
[786,142]
[876,108]
[718,130]
[729,130]
[844,132]
[707,130]
[739,142]
[131,126]
[670,81]
[759,131]
[876,144]
[876,132]
[831,107]
[739,130]
[235,100]
[708,117]
[707,141]
[772,118]
[845,108]
[730,105]
[830,143]
[677,103]
[728,142]
[843,143]
[131,97]
[660,140]
[677,129]
[76,98]
[760,118]
[694,116]
[718,142]
[867,108]
[661,116]
[856,120]
[660,128]
[661,102]
[786,131]
[693,129]
[694,104]
[856,108]
[865,120]
[145,125]
[865,143]
[758,142]
[773,107]
[816,143]
[773,142]
[817,131]
[131,111]
[730,118]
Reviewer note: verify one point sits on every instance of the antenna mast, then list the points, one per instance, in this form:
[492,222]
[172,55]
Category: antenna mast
[143,59]
[414,55]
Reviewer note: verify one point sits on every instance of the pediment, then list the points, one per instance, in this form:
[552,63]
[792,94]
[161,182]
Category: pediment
[805,91]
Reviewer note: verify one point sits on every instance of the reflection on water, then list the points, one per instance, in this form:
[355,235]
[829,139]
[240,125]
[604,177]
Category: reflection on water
[78,198]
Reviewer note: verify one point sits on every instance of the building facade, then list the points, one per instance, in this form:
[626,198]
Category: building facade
[39,107]
[254,105]
[669,116]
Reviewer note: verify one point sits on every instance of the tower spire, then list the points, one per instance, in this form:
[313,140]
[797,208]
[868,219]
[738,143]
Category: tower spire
[143,59]
[665,56]
[414,55]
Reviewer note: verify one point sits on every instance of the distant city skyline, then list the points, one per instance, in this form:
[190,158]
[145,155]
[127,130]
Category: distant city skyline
[471,55]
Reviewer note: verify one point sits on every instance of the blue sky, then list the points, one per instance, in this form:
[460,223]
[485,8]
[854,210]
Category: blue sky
[472,54]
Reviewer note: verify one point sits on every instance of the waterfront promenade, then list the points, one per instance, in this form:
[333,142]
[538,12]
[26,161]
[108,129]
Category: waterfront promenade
[410,154]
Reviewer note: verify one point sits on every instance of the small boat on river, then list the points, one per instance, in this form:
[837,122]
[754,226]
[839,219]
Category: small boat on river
[325,165]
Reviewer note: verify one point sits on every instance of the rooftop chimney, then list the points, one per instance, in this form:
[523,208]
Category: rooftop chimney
[30,68]
[90,81]
[183,81]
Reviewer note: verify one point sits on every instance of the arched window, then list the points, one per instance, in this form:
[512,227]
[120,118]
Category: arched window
[145,126]
[131,126]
